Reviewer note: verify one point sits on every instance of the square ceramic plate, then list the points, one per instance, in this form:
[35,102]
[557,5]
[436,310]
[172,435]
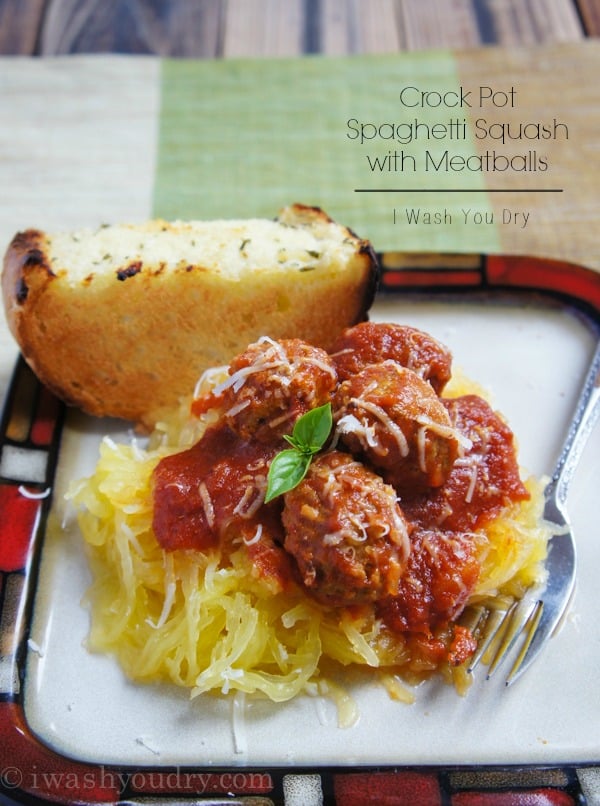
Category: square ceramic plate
[531,352]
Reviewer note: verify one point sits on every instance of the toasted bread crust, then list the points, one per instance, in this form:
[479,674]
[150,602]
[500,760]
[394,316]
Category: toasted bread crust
[130,339]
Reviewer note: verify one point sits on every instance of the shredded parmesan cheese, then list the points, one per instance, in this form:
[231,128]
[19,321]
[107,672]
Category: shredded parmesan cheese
[257,536]
[446,431]
[207,504]
[380,414]
[243,404]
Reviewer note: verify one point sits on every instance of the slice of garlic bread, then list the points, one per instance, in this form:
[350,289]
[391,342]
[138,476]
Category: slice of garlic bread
[121,320]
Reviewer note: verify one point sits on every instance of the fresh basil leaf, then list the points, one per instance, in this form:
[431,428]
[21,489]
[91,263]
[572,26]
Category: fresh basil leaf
[290,438]
[312,429]
[289,467]
[287,470]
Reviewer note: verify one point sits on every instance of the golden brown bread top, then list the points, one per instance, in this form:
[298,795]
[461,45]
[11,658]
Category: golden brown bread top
[122,320]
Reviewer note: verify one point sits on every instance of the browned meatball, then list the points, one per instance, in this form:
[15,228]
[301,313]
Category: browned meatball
[346,532]
[272,383]
[372,343]
[442,571]
[485,479]
[393,417]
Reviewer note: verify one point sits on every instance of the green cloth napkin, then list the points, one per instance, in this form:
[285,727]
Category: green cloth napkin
[243,138]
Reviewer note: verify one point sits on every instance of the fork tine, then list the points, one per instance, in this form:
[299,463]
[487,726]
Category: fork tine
[531,628]
[516,618]
[472,617]
[548,624]
[491,621]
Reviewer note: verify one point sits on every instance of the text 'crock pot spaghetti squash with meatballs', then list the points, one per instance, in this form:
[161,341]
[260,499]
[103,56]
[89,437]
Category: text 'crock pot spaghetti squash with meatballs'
[310,512]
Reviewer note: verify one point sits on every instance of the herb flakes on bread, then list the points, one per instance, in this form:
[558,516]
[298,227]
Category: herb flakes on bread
[121,321]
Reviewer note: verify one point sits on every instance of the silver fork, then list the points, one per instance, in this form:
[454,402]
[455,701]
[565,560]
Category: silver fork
[538,613]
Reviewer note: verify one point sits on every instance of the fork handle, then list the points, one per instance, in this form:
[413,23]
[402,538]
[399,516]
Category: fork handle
[586,414]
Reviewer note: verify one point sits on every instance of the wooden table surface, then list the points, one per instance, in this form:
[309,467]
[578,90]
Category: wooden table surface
[232,28]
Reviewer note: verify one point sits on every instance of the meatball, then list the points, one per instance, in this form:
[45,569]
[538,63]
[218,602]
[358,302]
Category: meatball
[393,417]
[346,532]
[272,383]
[483,481]
[442,571]
[371,343]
